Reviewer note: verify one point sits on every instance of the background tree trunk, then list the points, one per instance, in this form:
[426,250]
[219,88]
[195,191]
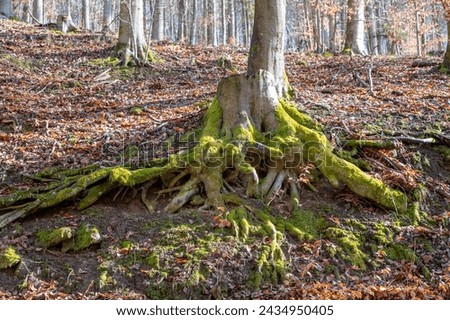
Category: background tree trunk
[355,36]
[131,32]
[107,15]
[446,62]
[6,8]
[158,21]
[86,15]
[212,23]
[38,10]
[194,25]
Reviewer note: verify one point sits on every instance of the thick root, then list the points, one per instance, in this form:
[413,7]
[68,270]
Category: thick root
[259,142]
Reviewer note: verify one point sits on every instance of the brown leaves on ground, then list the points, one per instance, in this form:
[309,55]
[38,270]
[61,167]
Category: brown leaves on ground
[59,106]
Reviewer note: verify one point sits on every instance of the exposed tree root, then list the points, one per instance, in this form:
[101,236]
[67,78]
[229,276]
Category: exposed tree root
[251,137]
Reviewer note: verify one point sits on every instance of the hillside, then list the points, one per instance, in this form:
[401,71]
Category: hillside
[64,103]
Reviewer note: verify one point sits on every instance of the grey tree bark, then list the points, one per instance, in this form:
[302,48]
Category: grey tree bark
[212,23]
[373,40]
[158,21]
[267,45]
[131,42]
[231,32]
[446,62]
[85,13]
[355,35]
[38,10]
[181,36]
[6,8]
[107,15]
[194,27]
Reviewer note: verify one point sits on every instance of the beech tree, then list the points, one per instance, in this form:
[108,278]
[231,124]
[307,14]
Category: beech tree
[131,41]
[5,8]
[446,62]
[107,15]
[86,14]
[355,35]
[38,10]
[253,133]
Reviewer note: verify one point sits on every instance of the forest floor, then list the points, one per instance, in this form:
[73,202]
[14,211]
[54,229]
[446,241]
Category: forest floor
[64,103]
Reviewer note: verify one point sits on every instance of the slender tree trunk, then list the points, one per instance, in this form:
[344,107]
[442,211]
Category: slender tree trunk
[181,20]
[158,33]
[446,62]
[86,15]
[418,34]
[332,27]
[212,23]
[38,10]
[373,40]
[309,29]
[231,23]
[107,15]
[224,22]
[194,25]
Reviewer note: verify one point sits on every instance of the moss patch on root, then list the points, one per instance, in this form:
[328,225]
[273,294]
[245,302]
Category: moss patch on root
[50,238]
[86,236]
[8,258]
[350,245]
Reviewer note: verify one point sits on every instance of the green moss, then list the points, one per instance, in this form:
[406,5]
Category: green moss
[296,129]
[153,261]
[445,152]
[383,235]
[136,111]
[17,61]
[8,258]
[86,236]
[105,280]
[309,223]
[213,122]
[426,272]
[129,178]
[351,244]
[105,62]
[398,251]
[49,238]
[94,194]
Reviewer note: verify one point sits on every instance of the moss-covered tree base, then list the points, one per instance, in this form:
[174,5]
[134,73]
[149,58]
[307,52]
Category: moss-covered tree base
[251,138]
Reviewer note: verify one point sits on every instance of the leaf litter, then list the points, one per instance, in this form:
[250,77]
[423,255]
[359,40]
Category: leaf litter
[63,105]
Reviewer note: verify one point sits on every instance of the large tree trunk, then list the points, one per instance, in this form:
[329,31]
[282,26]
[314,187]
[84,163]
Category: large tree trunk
[267,44]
